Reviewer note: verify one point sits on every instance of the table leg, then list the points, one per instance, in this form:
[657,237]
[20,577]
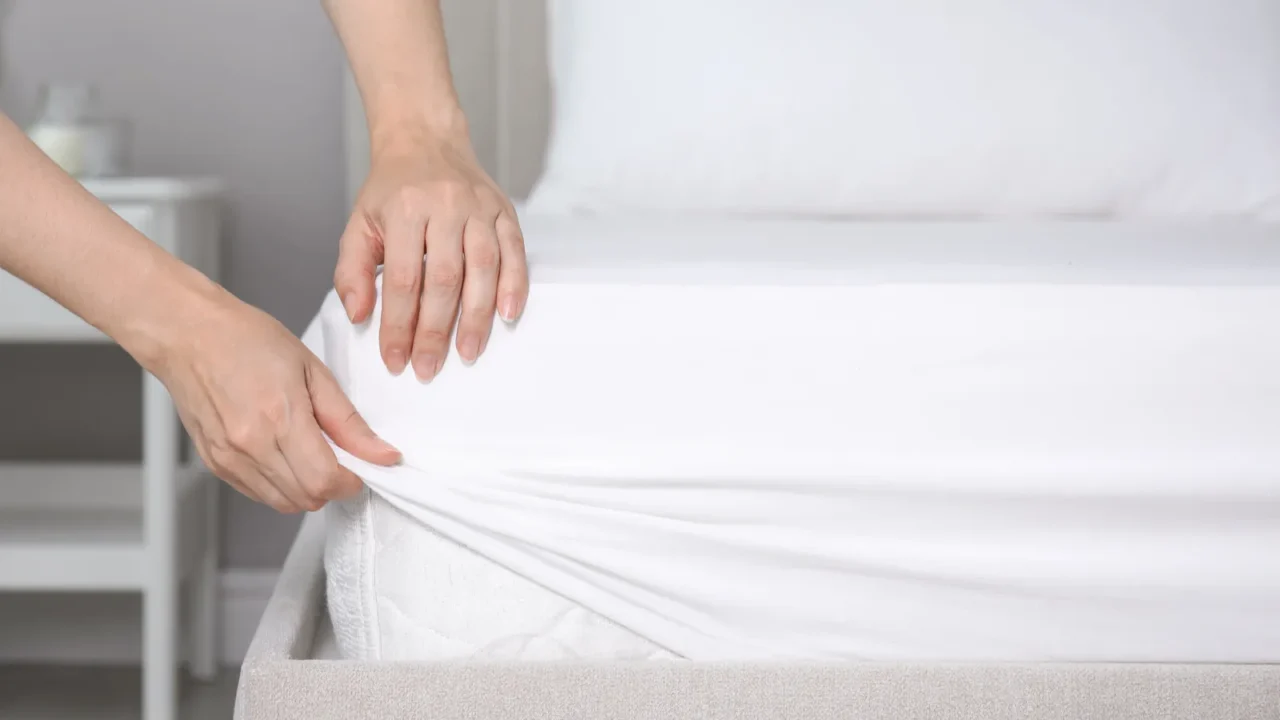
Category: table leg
[160,463]
[204,590]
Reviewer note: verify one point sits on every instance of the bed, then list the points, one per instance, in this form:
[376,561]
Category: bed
[1209,270]
[294,667]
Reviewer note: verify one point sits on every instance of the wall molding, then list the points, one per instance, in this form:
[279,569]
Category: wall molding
[243,596]
[83,629]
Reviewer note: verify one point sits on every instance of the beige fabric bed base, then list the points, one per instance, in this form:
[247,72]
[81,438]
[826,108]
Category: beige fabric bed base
[281,681]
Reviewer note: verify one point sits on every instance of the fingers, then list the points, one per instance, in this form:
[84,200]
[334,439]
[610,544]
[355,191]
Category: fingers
[479,289]
[338,418]
[258,405]
[274,499]
[475,266]
[513,274]
[401,283]
[274,466]
[313,463]
[308,461]
[443,283]
[359,254]
[225,474]
[235,463]
[291,467]
[262,489]
[267,455]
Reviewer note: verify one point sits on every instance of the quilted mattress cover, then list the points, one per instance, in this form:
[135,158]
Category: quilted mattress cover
[293,671]
[759,440]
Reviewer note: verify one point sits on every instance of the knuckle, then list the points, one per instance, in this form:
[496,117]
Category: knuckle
[410,201]
[322,485]
[205,448]
[456,195]
[219,459]
[274,414]
[484,256]
[492,203]
[333,485]
[512,237]
[279,503]
[445,275]
[431,338]
[270,421]
[476,318]
[400,279]
[483,203]
[243,435]
[347,486]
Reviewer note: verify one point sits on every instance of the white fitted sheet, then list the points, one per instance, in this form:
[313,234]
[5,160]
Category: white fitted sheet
[766,439]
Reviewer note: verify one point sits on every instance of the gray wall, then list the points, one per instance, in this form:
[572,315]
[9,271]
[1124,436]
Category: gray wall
[245,90]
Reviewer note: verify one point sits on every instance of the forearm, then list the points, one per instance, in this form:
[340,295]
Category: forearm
[400,62]
[59,238]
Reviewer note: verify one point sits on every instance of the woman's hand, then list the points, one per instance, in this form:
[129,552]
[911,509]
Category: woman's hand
[256,401]
[430,196]
[425,194]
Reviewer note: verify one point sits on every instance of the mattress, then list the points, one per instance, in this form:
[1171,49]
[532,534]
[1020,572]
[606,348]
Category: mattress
[763,440]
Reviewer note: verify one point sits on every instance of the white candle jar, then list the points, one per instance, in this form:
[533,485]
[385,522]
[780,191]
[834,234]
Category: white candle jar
[71,130]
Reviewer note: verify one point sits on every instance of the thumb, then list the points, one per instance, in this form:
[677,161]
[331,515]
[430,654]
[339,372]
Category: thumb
[359,254]
[339,420]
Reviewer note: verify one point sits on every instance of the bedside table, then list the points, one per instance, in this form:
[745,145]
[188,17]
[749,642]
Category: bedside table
[147,527]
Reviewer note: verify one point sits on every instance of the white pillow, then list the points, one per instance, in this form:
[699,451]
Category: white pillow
[1135,108]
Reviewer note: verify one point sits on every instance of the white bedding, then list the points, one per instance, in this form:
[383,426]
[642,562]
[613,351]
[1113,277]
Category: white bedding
[910,108]
[925,441]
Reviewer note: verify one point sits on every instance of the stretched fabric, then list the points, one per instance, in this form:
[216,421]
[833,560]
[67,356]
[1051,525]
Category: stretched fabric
[1030,454]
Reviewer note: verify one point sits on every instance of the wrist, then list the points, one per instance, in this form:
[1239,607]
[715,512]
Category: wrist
[396,130]
[157,319]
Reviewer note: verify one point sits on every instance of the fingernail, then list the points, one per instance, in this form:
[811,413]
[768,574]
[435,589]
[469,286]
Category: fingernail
[508,310]
[426,367]
[390,449]
[469,350]
[395,361]
[349,302]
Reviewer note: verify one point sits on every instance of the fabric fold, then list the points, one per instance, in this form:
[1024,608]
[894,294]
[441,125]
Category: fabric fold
[1035,471]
